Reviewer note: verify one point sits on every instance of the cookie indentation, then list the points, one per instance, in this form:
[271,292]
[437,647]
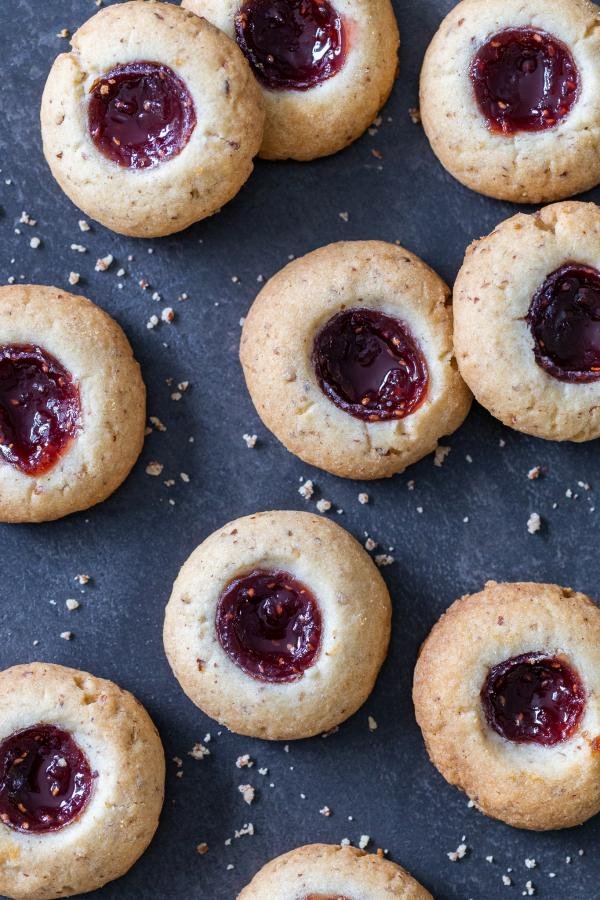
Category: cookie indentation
[140,114]
[524,80]
[564,318]
[533,699]
[269,624]
[45,780]
[291,44]
[370,365]
[39,408]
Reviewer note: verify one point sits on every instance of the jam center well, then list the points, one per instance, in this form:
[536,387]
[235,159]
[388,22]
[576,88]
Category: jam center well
[524,80]
[39,408]
[291,44]
[269,624]
[370,365]
[45,779]
[533,699]
[564,319]
[140,114]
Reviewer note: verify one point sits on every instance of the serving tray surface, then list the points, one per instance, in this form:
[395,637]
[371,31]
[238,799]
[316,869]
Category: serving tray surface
[448,528]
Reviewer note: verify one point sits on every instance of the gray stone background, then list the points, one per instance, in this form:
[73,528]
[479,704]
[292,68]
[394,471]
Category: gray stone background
[379,783]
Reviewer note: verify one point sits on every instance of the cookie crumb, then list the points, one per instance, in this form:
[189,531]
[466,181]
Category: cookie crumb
[74,278]
[247,792]
[250,440]
[307,489]
[364,841]
[384,559]
[534,523]
[415,115]
[199,751]
[440,455]
[83,225]
[507,880]
[72,604]
[82,579]
[104,263]
[363,498]
[372,724]
[325,811]
[459,853]
[202,848]
[168,315]
[34,243]
[66,635]
[244,762]
[154,468]
[534,473]
[344,216]
[323,505]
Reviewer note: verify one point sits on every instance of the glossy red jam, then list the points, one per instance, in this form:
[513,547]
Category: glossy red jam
[45,779]
[39,408]
[533,699]
[140,114]
[370,365]
[326,897]
[524,80]
[564,318]
[291,44]
[269,623]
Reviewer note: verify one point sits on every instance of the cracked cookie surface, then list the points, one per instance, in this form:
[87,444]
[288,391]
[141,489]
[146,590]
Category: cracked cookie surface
[75,456]
[309,372]
[535,159]
[152,121]
[277,625]
[330,871]
[122,750]
[515,643]
[526,308]
[332,113]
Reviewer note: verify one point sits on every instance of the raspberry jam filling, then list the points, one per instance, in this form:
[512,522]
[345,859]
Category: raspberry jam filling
[370,365]
[533,699]
[325,897]
[269,623]
[291,44]
[524,80]
[564,318]
[39,408]
[140,114]
[45,779]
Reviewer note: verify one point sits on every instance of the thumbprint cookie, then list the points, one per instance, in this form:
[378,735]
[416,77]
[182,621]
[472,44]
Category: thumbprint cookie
[527,322]
[332,872]
[510,97]
[152,120]
[325,67]
[507,694]
[72,404]
[81,781]
[278,625]
[348,357]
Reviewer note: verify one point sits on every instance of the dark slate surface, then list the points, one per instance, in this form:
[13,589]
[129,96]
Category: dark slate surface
[379,783]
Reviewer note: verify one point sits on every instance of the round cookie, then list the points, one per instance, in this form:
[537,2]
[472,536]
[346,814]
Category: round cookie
[331,872]
[325,67]
[277,625]
[81,781]
[507,694]
[72,404]
[348,357]
[528,298]
[510,97]
[152,120]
